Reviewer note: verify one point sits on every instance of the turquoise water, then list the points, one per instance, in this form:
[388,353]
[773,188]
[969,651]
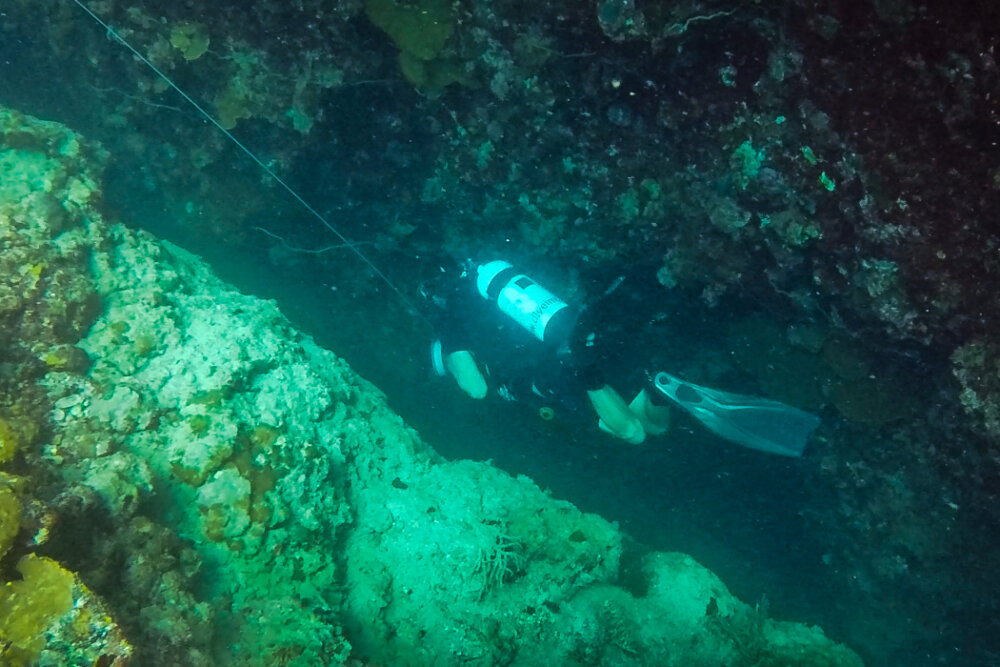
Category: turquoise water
[587,155]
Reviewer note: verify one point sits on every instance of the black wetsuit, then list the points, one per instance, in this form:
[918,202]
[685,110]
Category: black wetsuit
[595,351]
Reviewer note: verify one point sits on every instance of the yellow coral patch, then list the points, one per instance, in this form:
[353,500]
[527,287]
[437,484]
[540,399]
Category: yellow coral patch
[10,519]
[232,106]
[28,607]
[16,430]
[191,39]
[55,361]
[419,28]
[9,440]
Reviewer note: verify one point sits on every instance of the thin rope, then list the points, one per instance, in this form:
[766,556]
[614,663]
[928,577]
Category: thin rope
[267,170]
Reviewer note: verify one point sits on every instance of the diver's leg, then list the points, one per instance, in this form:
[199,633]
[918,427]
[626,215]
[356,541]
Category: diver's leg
[615,416]
[463,367]
[652,410]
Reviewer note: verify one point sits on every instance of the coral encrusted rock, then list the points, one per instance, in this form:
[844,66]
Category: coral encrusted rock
[237,495]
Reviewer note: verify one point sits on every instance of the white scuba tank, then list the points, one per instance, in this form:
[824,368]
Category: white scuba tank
[537,310]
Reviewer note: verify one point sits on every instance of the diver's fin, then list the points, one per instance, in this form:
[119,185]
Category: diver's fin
[758,423]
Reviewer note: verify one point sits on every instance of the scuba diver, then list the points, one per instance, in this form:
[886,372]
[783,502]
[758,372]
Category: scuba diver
[499,328]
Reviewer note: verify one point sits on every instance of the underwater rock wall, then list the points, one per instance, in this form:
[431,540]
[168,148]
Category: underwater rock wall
[236,495]
[47,301]
[825,162]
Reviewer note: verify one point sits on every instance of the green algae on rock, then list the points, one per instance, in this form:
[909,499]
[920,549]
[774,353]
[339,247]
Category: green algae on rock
[47,301]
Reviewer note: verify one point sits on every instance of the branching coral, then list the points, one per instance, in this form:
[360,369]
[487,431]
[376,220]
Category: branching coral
[499,562]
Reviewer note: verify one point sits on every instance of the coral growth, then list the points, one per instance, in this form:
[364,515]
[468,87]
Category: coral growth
[708,141]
